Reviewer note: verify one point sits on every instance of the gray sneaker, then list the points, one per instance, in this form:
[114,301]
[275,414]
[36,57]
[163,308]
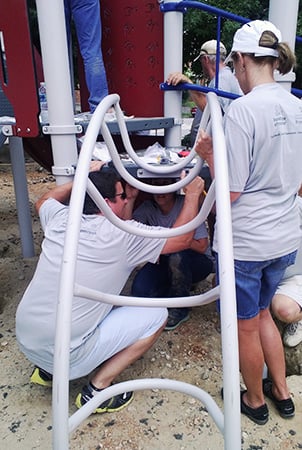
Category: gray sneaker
[292,335]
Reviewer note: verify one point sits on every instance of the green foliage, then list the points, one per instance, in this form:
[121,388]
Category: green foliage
[200,26]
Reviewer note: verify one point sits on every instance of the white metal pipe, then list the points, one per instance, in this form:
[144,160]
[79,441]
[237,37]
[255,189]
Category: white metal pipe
[229,325]
[229,335]
[52,29]
[60,388]
[149,383]
[121,300]
[173,50]
[285,18]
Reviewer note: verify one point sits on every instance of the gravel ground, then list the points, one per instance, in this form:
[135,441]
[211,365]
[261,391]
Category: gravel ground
[155,420]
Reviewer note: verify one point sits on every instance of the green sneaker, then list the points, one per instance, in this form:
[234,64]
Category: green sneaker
[41,377]
[113,404]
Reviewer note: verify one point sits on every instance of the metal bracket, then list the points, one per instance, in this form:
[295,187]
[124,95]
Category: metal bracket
[7,130]
[173,6]
[63,170]
[143,173]
[62,129]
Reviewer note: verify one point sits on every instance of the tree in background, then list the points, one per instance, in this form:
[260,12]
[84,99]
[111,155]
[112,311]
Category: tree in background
[199,26]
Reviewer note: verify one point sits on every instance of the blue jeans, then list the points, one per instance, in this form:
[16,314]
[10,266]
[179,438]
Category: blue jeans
[172,276]
[87,19]
[256,283]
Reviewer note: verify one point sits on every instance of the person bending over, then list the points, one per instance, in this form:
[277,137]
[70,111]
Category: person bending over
[104,339]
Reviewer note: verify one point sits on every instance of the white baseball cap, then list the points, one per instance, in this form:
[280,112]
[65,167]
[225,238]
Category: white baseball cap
[247,39]
[210,48]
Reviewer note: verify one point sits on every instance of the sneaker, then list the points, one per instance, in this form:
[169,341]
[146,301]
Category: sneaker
[113,404]
[286,408]
[293,334]
[41,377]
[176,316]
[258,415]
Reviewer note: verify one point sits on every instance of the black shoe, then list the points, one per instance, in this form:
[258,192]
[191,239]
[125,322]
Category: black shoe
[176,316]
[257,415]
[113,404]
[286,408]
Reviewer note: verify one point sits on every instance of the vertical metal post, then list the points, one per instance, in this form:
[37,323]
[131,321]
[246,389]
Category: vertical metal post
[51,19]
[173,49]
[21,193]
[285,18]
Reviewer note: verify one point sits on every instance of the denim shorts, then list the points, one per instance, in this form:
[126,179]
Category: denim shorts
[256,283]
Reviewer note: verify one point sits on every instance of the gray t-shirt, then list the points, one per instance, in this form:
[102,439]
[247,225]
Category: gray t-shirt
[106,257]
[150,214]
[263,133]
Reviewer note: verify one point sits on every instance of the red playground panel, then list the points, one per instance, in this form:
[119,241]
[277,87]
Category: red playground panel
[133,54]
[17,72]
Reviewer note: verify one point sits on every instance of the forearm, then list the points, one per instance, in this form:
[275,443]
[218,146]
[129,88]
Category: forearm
[199,245]
[60,193]
[210,162]
[188,212]
[189,209]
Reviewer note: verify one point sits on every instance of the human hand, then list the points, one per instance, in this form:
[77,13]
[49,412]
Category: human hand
[131,192]
[195,187]
[95,166]
[177,77]
[204,145]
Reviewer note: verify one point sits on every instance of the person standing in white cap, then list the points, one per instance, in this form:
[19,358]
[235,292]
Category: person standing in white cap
[226,80]
[263,131]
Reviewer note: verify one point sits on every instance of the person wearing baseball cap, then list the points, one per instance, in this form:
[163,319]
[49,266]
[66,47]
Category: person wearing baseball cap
[227,82]
[211,48]
[263,131]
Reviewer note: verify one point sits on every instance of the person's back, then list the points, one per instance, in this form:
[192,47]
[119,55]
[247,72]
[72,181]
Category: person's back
[263,118]
[263,141]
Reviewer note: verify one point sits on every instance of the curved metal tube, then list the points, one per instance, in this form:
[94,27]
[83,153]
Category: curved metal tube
[123,300]
[149,383]
[165,233]
[62,425]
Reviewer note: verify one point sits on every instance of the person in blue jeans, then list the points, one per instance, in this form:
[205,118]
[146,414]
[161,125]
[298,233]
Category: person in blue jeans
[263,145]
[173,274]
[87,19]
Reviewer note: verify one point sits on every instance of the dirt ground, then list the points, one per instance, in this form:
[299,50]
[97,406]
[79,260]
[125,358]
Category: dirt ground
[155,420]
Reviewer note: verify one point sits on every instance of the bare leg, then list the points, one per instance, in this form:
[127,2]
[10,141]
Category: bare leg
[111,368]
[273,354]
[286,309]
[251,360]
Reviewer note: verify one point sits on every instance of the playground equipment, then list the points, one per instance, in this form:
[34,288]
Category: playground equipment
[142,65]
[62,131]
[229,423]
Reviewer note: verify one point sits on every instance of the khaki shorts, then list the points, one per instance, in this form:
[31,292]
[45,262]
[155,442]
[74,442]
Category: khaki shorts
[291,287]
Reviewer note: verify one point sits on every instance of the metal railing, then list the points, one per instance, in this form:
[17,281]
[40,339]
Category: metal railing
[183,6]
[227,423]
